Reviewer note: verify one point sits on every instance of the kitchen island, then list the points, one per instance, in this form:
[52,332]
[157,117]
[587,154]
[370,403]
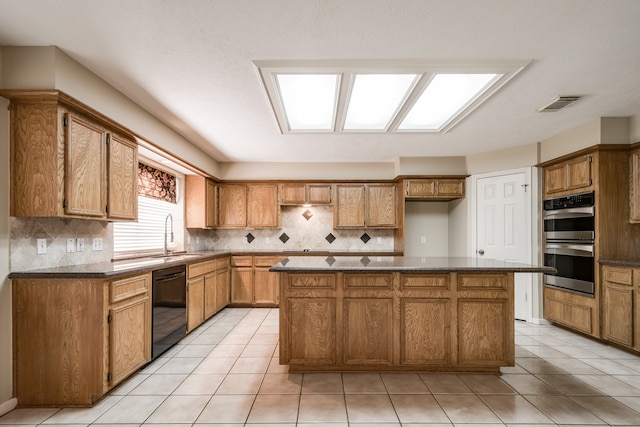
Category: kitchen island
[344,313]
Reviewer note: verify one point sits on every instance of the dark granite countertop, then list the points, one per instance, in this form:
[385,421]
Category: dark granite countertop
[628,263]
[404,264]
[108,270]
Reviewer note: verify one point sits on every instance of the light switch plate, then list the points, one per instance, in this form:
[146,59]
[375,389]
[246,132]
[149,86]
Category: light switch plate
[41,246]
[97,244]
[71,245]
[79,245]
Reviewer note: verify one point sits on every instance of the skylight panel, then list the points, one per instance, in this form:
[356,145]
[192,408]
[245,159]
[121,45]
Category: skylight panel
[375,99]
[444,98]
[309,100]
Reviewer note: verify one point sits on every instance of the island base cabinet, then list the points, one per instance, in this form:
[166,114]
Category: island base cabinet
[396,322]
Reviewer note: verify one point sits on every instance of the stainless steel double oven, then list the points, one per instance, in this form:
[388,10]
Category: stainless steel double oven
[569,233]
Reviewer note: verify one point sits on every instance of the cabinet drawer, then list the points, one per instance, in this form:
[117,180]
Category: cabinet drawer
[621,276]
[242,261]
[126,288]
[222,263]
[266,261]
[201,268]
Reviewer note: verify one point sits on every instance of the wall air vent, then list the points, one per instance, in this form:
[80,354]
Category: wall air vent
[558,103]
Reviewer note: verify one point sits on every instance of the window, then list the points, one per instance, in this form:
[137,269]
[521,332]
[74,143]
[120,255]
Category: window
[146,236]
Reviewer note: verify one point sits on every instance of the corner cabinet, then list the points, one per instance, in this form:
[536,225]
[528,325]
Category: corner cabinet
[201,202]
[365,206]
[252,284]
[67,161]
[94,334]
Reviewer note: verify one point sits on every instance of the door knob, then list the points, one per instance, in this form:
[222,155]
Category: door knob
[481,251]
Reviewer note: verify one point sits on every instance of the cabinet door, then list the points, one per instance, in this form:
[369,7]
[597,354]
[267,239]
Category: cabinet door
[85,168]
[265,285]
[210,204]
[381,203]
[263,205]
[420,188]
[554,179]
[293,194]
[451,188]
[129,338]
[634,196]
[232,205]
[579,172]
[195,303]
[222,289]
[368,331]
[122,178]
[349,210]
[319,194]
[242,285]
[210,295]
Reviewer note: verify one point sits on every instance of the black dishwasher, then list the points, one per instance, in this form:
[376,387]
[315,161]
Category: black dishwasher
[169,313]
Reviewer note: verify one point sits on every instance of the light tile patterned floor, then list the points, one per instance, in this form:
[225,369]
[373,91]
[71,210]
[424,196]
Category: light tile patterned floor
[226,373]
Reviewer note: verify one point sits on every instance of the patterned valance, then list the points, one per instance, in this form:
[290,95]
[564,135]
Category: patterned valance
[156,184]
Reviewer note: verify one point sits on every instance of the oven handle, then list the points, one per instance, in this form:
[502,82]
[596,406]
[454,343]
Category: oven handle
[583,212]
[564,249]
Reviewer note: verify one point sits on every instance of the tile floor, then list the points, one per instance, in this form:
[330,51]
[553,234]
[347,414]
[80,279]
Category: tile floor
[226,373]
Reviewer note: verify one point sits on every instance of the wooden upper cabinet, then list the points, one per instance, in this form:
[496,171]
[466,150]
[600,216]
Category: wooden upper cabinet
[232,205]
[440,189]
[301,193]
[123,178]
[381,205]
[350,205]
[263,210]
[634,191]
[365,205]
[568,176]
[60,163]
[201,204]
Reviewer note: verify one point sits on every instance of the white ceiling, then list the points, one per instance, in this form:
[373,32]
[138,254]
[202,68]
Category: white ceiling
[189,62]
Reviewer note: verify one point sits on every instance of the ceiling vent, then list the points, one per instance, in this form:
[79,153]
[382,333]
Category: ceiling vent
[558,104]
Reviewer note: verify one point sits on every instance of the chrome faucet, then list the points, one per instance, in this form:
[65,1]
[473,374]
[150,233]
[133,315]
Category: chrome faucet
[166,249]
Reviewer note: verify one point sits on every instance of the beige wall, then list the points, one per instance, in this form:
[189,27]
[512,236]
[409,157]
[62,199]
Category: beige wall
[634,128]
[431,166]
[509,158]
[431,221]
[50,68]
[6,374]
[604,130]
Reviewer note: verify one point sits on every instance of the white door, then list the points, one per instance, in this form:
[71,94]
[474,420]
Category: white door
[503,228]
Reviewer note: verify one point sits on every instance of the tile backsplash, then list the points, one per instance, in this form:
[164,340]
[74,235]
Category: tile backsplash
[302,228]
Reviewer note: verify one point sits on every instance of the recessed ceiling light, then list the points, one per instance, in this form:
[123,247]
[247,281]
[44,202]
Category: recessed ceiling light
[380,96]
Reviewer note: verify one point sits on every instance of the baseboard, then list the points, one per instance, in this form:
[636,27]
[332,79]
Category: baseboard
[8,406]
[539,321]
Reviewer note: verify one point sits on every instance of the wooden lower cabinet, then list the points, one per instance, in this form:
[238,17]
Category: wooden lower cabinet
[252,284]
[73,337]
[396,321]
[619,290]
[578,312]
[207,290]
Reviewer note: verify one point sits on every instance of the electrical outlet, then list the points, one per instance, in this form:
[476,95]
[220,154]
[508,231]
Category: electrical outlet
[97,244]
[423,239]
[378,240]
[71,245]
[79,245]
[267,240]
[41,246]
